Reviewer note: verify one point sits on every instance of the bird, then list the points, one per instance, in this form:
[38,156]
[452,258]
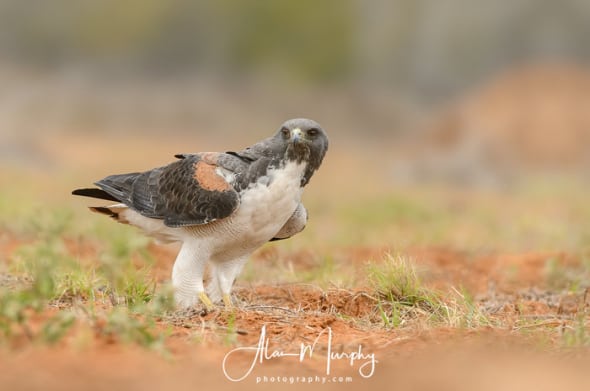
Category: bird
[221,206]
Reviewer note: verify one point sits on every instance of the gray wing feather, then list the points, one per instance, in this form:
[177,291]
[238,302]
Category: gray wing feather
[294,225]
[173,193]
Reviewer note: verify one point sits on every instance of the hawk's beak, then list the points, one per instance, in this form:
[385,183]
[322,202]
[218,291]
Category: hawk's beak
[297,135]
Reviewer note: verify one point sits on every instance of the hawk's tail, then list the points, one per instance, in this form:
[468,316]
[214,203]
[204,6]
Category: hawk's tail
[113,211]
[94,193]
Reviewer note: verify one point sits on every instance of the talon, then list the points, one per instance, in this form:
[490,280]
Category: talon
[206,301]
[227,302]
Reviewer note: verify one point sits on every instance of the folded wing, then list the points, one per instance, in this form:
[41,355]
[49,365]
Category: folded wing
[193,190]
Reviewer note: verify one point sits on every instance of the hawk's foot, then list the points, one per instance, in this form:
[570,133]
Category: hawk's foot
[206,301]
[227,301]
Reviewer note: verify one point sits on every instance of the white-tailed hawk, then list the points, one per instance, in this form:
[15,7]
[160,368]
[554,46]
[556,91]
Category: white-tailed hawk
[221,206]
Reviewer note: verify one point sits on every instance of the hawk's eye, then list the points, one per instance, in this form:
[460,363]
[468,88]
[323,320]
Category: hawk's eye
[313,132]
[286,133]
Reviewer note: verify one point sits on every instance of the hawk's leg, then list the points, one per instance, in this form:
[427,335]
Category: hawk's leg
[187,276]
[223,275]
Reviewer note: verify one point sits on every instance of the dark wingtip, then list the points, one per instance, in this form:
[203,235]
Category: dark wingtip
[94,193]
[242,157]
[275,239]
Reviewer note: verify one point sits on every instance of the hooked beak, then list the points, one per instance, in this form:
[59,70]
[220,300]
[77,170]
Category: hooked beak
[297,135]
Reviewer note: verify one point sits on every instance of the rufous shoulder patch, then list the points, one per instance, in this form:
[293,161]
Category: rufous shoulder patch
[208,179]
[209,157]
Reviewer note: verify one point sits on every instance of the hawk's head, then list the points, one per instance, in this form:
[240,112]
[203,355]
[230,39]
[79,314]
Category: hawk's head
[305,141]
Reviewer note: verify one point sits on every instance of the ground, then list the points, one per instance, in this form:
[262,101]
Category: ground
[439,288]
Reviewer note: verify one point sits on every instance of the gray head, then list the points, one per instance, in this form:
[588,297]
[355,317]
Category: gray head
[306,141]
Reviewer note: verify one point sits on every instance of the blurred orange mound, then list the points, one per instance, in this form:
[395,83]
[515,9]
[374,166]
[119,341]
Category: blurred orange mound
[540,114]
[531,118]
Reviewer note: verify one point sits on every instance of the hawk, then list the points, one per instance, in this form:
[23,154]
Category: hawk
[220,206]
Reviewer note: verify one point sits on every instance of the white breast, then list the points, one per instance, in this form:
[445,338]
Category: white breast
[264,208]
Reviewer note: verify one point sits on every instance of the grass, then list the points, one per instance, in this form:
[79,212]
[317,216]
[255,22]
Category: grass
[56,327]
[399,291]
[109,287]
[402,298]
[121,302]
[462,311]
[108,294]
[576,336]
[395,279]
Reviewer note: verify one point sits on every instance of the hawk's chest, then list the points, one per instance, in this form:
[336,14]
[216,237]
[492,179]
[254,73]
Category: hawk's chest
[266,205]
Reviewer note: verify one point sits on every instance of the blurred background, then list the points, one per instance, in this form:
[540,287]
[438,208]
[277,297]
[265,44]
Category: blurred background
[456,91]
[458,129]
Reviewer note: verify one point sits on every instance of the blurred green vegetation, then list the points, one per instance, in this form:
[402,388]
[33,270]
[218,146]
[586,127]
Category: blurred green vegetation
[111,295]
[431,46]
[552,218]
[306,39]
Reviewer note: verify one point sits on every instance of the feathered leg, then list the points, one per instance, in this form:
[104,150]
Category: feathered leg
[223,276]
[187,275]
[212,289]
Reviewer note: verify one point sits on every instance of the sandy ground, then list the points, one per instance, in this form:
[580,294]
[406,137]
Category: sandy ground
[201,352]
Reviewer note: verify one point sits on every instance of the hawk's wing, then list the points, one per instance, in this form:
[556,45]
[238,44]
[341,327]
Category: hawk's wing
[193,190]
[294,225]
